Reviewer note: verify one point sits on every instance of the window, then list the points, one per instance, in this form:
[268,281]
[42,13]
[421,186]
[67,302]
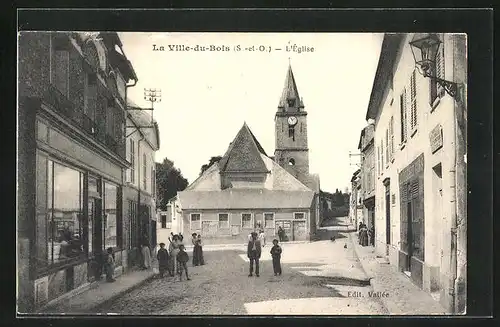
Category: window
[291,132]
[437,90]
[382,157]
[110,119]
[291,102]
[153,181]
[60,63]
[163,221]
[269,220]
[195,221]
[391,138]
[246,220]
[404,126]
[413,104]
[223,220]
[111,215]
[144,171]
[378,161]
[90,99]
[120,84]
[299,215]
[291,162]
[132,161]
[60,219]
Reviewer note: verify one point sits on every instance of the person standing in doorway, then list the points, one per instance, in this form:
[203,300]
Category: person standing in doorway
[276,255]
[281,233]
[254,250]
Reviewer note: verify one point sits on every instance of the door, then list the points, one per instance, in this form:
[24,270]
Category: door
[387,218]
[299,231]
[94,236]
[287,228]
[409,237]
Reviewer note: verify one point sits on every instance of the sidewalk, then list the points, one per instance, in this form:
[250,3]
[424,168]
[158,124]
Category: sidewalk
[99,293]
[402,296]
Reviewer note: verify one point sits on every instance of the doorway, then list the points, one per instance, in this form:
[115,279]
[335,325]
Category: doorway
[299,230]
[94,235]
[409,233]
[387,218]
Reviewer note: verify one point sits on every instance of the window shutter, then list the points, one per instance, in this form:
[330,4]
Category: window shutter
[387,147]
[440,67]
[403,105]
[391,136]
[413,102]
[382,155]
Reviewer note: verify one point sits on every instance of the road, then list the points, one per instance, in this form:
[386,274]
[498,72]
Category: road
[321,277]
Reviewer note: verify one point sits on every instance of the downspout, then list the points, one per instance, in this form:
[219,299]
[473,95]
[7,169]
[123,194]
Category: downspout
[455,283]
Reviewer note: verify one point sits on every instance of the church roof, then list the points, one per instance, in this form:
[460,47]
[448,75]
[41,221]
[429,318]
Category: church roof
[244,154]
[245,199]
[290,91]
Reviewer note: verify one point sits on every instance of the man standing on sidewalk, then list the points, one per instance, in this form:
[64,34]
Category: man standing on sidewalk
[253,252]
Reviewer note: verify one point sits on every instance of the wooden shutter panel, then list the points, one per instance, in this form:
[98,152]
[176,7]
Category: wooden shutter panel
[414,188]
[413,102]
[391,136]
[440,68]
[403,104]
[387,158]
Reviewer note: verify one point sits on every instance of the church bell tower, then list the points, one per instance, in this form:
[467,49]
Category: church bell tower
[292,152]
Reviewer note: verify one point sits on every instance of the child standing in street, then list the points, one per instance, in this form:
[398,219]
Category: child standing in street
[162,257]
[276,255]
[110,265]
[182,259]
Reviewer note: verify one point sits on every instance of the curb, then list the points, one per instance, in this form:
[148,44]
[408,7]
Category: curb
[125,290]
[371,277]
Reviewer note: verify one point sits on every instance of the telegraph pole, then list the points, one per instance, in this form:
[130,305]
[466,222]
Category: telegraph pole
[153,96]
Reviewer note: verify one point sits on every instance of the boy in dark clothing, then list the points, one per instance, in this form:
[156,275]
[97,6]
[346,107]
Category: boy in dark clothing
[162,257]
[276,255]
[182,259]
[253,253]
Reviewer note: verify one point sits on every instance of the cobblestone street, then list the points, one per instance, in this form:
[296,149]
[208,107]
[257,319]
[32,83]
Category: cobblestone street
[318,278]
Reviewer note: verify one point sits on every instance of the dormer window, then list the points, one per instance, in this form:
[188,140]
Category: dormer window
[291,102]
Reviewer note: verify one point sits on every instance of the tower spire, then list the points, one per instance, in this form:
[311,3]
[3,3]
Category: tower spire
[290,99]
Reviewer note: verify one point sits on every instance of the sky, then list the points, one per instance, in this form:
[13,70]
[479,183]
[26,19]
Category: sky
[208,95]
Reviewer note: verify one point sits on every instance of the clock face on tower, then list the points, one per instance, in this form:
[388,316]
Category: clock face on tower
[292,121]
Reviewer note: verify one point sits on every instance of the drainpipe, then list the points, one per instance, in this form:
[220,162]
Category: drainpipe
[456,280]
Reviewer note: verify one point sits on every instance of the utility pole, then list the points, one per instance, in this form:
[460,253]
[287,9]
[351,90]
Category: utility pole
[152,95]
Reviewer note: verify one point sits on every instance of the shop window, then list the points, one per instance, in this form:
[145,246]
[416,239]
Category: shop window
[269,220]
[246,220]
[223,220]
[60,234]
[110,217]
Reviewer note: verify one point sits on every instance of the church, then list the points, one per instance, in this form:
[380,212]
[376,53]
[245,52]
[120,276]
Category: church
[248,189]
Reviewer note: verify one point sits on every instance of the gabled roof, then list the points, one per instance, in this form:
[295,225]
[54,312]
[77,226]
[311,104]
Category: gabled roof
[290,91]
[244,154]
[148,126]
[245,199]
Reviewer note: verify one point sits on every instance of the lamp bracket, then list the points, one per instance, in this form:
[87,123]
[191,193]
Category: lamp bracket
[450,87]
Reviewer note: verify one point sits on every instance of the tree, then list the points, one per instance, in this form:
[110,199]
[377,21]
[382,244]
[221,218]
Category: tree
[169,181]
[210,163]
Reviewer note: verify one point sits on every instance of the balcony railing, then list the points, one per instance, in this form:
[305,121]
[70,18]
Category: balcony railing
[94,128]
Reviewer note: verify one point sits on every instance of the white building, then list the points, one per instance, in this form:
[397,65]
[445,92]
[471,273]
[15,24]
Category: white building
[420,184]
[139,195]
[169,221]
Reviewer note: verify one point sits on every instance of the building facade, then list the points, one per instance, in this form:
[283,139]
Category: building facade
[355,205]
[420,140]
[367,196]
[169,221]
[248,190]
[139,192]
[71,155]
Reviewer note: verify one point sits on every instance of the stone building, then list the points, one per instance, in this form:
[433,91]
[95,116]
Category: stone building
[71,155]
[420,141]
[367,173]
[247,189]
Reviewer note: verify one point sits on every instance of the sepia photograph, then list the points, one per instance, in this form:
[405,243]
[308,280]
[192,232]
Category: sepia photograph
[229,173]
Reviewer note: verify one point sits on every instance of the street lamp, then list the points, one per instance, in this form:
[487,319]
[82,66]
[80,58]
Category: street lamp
[425,47]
